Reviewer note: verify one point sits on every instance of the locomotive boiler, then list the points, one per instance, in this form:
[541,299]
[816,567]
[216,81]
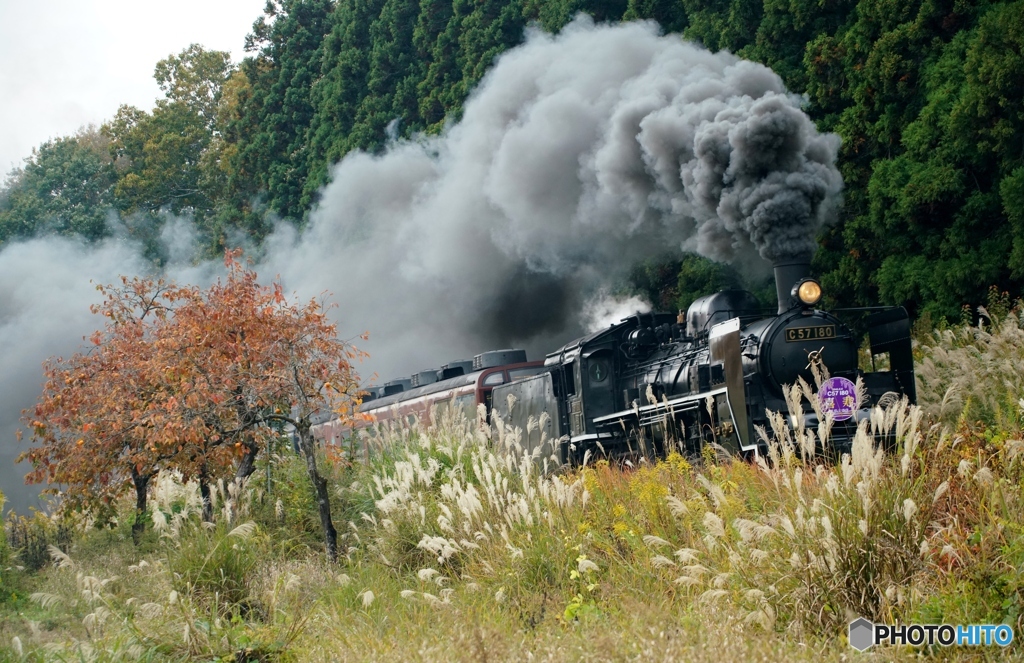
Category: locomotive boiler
[709,376]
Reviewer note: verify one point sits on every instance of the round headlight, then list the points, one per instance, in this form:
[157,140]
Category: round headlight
[809,292]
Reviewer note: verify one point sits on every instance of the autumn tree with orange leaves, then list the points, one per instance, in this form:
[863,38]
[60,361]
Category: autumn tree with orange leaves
[263,359]
[189,379]
[101,422]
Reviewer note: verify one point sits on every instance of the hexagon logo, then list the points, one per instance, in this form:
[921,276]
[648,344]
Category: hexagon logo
[862,634]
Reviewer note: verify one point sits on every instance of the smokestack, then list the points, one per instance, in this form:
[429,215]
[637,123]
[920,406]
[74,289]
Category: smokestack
[788,272]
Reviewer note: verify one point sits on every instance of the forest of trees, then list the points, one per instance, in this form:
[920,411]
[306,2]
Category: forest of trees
[927,97]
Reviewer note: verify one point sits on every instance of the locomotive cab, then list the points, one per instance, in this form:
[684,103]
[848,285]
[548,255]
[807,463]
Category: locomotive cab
[587,378]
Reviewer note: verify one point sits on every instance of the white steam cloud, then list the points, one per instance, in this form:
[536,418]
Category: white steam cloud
[577,155]
[601,311]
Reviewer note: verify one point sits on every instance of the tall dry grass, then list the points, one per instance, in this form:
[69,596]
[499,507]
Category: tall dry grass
[975,372]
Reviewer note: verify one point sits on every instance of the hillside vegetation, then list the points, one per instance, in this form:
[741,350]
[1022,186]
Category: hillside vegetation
[457,547]
[926,96]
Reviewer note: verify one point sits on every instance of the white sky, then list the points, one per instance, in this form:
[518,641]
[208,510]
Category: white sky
[66,63]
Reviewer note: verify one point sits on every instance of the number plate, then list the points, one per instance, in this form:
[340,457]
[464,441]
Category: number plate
[797,334]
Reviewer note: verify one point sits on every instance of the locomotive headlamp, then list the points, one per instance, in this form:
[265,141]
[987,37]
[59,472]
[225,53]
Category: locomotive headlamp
[808,292]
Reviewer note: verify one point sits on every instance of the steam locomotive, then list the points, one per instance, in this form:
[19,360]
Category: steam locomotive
[654,378]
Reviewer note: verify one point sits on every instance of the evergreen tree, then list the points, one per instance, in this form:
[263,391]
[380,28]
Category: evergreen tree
[432,21]
[442,90]
[273,126]
[723,24]
[785,30]
[553,15]
[492,27]
[669,14]
[338,93]
[390,92]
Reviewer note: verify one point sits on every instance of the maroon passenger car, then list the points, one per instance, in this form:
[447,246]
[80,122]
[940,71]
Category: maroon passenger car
[464,385]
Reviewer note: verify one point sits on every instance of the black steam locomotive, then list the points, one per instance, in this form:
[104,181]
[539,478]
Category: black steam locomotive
[710,376]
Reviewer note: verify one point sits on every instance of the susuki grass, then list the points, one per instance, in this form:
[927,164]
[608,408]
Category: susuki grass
[976,373]
[459,546]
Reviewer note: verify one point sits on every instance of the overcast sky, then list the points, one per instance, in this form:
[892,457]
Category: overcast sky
[68,63]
